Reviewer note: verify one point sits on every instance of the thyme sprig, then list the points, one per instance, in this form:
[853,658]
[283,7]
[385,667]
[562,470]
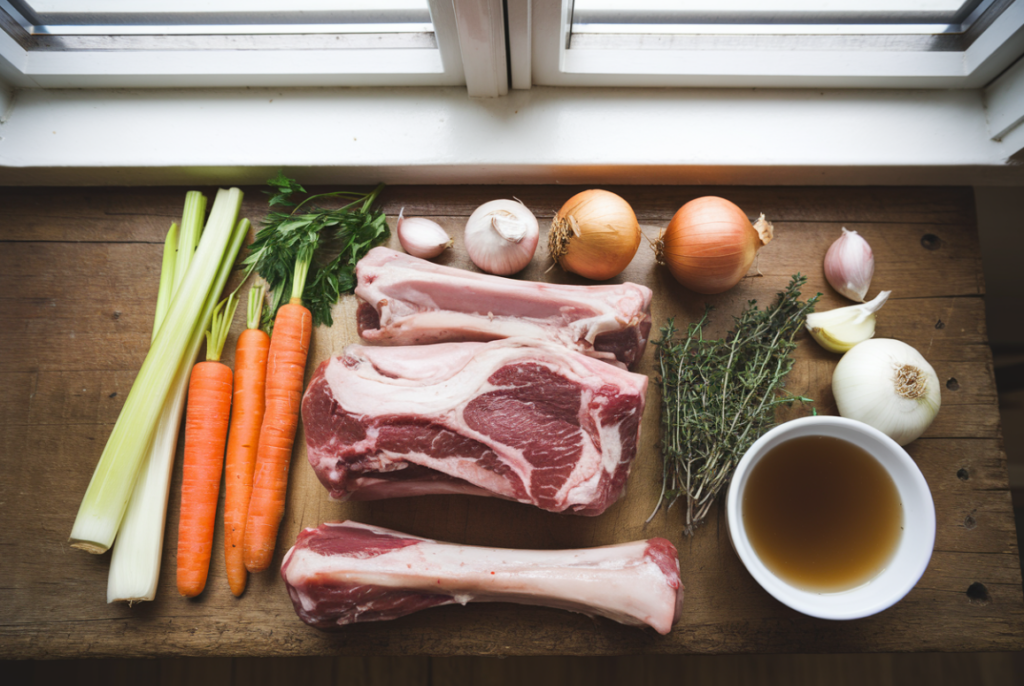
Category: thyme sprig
[719,396]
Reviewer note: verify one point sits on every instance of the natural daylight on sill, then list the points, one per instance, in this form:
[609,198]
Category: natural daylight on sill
[542,135]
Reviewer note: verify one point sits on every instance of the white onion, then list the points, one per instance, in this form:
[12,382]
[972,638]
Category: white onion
[501,237]
[887,384]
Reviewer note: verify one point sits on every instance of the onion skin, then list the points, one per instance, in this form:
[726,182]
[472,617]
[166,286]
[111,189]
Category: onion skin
[710,244]
[609,235]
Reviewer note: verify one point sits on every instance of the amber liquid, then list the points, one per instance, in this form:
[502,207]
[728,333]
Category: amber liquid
[822,514]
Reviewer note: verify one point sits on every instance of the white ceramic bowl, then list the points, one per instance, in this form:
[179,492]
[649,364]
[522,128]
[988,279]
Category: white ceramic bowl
[915,547]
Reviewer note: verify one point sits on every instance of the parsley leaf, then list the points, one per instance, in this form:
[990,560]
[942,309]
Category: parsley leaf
[330,241]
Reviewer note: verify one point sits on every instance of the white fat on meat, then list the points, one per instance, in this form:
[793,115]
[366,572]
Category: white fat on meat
[415,301]
[472,391]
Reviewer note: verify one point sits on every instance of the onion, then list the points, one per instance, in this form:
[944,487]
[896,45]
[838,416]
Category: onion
[501,236]
[595,235]
[710,244]
[887,384]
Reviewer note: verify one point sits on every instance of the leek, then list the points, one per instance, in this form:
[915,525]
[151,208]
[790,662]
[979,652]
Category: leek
[106,499]
[135,562]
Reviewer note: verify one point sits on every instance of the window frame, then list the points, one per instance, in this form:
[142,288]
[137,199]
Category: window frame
[26,64]
[558,64]
[536,133]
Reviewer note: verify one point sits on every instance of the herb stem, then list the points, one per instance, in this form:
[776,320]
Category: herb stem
[299,280]
[718,396]
[311,255]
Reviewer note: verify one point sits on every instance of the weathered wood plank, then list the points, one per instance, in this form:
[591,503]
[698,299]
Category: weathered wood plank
[96,310]
[143,215]
[309,671]
[64,395]
[731,670]
[993,669]
[787,203]
[725,609]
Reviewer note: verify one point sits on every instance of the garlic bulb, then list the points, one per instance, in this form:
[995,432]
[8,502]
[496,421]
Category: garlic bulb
[849,265]
[421,237]
[887,384]
[839,330]
[501,237]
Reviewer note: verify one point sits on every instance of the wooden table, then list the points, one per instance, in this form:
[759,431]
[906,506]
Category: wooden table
[78,279]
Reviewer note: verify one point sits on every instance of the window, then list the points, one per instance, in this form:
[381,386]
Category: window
[797,43]
[163,17]
[159,43]
[781,17]
[659,91]
[489,45]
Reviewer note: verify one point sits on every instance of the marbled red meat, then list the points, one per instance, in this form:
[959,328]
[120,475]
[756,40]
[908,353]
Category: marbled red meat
[343,573]
[517,419]
[409,301]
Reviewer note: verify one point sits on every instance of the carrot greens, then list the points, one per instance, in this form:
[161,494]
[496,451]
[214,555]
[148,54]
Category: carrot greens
[326,242]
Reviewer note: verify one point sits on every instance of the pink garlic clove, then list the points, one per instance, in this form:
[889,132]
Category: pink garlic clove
[849,265]
[421,237]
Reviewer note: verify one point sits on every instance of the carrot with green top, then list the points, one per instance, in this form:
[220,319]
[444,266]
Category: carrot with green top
[246,420]
[206,429]
[286,368]
[282,254]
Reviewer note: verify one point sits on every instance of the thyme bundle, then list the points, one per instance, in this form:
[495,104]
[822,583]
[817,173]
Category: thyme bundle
[719,396]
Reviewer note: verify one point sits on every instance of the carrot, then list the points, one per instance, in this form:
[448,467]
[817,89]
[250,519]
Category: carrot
[286,365]
[206,429]
[243,439]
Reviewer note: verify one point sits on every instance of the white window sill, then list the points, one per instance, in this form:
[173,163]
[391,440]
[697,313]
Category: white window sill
[543,135]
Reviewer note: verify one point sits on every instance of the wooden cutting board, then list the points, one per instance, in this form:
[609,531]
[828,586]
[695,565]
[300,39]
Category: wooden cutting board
[78,279]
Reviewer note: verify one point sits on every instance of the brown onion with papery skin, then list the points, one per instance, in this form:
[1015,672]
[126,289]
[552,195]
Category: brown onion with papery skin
[710,244]
[595,235]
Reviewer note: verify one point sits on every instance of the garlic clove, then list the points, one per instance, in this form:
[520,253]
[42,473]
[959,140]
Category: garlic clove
[510,227]
[849,265]
[840,329]
[421,237]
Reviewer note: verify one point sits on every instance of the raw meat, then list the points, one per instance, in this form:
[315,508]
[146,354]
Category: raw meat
[347,572]
[518,419]
[408,301]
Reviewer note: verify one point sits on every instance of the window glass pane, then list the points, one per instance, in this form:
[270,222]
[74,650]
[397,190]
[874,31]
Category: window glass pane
[780,16]
[164,17]
[724,8]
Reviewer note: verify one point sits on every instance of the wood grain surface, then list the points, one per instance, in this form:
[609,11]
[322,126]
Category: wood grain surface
[78,281]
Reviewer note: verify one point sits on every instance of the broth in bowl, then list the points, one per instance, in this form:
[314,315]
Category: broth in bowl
[822,513]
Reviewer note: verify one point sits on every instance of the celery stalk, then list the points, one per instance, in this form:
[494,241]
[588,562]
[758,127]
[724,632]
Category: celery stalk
[106,499]
[166,292]
[191,228]
[135,562]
